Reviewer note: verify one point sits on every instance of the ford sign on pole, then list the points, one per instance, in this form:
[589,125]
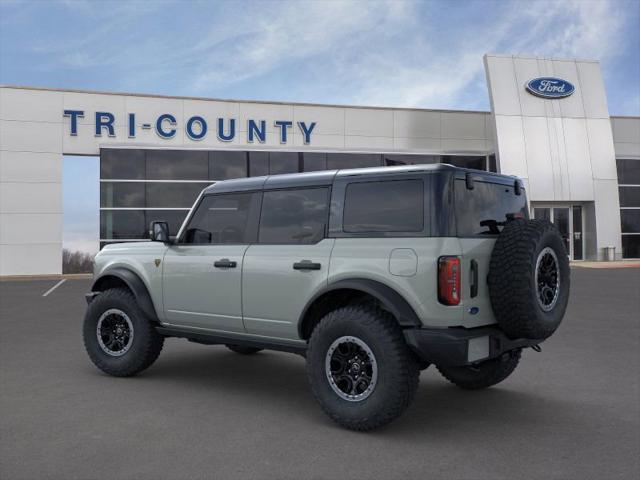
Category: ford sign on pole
[550,87]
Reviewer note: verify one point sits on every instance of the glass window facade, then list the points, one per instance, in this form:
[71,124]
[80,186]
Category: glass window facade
[629,194]
[138,185]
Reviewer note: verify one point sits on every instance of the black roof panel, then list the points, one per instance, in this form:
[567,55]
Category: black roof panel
[326,177]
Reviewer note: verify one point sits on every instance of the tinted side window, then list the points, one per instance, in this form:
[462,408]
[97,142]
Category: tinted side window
[481,211]
[386,206]
[221,219]
[294,216]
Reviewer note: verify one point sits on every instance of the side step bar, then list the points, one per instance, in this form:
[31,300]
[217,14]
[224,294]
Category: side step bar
[221,339]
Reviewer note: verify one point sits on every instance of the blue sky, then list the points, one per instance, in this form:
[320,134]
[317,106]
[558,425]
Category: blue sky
[390,53]
[393,53]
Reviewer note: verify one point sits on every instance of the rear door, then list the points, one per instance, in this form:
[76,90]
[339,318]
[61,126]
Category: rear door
[202,272]
[290,261]
[480,216]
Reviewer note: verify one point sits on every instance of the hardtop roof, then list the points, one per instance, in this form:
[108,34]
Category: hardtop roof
[326,177]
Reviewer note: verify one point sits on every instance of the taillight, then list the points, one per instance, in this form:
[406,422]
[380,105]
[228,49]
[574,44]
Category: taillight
[449,280]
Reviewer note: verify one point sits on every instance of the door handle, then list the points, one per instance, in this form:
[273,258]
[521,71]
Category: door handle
[306,265]
[474,279]
[224,263]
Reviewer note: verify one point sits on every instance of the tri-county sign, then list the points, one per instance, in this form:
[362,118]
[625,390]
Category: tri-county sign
[196,127]
[550,87]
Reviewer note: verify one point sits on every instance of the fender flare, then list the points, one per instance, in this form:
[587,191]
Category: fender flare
[135,284]
[392,300]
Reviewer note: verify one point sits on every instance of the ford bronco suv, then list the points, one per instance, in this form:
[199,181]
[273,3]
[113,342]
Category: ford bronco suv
[371,274]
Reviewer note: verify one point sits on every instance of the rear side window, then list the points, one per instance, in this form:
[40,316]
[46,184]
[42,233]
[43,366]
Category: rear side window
[294,216]
[384,206]
[224,219]
[483,210]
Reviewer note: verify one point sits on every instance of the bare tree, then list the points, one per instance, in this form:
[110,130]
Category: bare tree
[76,262]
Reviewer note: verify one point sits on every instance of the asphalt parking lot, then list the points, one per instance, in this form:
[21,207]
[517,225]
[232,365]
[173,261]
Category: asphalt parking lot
[570,412]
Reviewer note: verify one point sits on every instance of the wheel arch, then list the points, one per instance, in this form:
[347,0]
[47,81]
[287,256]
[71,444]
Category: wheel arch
[123,277]
[346,291]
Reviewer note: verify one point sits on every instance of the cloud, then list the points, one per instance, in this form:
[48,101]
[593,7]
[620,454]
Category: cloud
[387,52]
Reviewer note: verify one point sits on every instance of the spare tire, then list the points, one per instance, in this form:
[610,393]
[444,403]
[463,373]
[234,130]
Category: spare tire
[529,279]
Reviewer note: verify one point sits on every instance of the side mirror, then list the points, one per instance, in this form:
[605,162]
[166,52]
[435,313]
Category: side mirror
[159,232]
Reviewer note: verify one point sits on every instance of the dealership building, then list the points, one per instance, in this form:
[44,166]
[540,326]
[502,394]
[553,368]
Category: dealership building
[549,124]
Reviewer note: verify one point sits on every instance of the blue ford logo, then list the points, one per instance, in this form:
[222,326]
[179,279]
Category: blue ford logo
[550,87]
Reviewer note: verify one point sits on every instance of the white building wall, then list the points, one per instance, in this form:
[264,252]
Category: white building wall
[34,136]
[562,148]
[626,136]
[30,182]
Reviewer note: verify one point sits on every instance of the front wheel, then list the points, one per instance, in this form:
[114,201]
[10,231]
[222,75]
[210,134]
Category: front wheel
[360,369]
[118,337]
[482,375]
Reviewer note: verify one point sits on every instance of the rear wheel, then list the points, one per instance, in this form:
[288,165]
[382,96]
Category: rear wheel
[242,349]
[118,337]
[360,369]
[482,375]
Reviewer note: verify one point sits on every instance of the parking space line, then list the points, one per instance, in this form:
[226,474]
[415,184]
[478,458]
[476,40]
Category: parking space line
[54,287]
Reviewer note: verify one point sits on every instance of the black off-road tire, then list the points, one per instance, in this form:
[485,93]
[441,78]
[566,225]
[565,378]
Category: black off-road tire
[398,369]
[484,374]
[145,345]
[512,283]
[243,349]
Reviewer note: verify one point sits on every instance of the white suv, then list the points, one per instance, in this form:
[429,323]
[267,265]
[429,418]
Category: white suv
[371,274]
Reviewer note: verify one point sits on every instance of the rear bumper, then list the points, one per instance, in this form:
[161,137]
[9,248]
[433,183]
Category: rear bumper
[461,346]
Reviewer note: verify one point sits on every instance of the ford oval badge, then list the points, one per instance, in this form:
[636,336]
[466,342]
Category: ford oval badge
[550,87]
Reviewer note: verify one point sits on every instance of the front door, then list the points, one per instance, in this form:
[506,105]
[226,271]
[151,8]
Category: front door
[289,263]
[202,272]
[568,220]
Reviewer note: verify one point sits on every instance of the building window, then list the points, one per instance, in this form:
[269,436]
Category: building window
[122,195]
[224,165]
[393,160]
[138,186]
[294,216]
[122,164]
[283,162]
[336,161]
[258,164]
[122,224]
[172,195]
[466,161]
[628,171]
[385,206]
[177,165]
[631,246]
[629,194]
[630,219]
[314,161]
